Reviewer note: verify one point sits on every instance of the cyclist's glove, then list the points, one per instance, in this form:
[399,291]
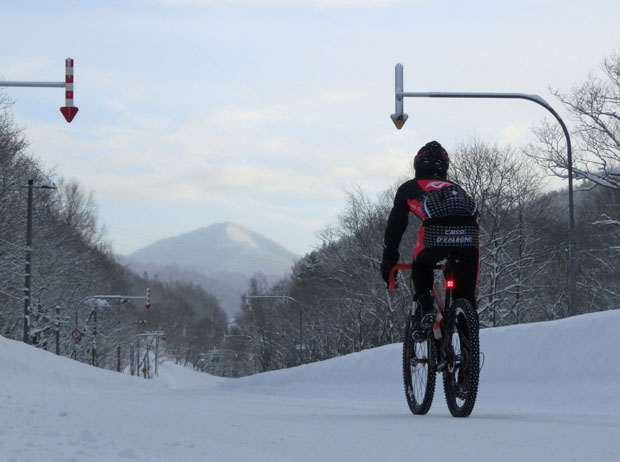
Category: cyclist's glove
[386,265]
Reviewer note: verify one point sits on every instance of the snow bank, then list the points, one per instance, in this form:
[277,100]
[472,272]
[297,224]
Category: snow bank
[547,392]
[569,365]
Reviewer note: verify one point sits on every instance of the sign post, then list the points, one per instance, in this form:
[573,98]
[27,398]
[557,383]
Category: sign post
[69,110]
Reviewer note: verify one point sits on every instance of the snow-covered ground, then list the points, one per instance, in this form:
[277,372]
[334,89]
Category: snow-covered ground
[548,392]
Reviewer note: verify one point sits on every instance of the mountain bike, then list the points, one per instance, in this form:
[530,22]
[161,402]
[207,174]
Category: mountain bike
[451,348]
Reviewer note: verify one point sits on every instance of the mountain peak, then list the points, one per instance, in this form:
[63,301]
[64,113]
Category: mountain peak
[241,235]
[226,246]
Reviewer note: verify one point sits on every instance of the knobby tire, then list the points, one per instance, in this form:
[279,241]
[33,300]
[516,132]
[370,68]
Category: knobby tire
[419,371]
[460,378]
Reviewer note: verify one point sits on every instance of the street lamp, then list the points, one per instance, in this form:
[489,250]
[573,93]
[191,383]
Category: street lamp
[105,298]
[399,118]
[300,304]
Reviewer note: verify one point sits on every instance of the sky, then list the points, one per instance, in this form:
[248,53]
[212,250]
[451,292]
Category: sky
[557,406]
[266,112]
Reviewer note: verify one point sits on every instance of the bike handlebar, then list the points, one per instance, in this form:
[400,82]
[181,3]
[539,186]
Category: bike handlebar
[406,266]
[400,266]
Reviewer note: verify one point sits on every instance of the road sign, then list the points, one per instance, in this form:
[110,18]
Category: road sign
[76,335]
[69,112]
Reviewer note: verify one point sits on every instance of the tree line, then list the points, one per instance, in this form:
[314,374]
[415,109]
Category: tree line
[72,262]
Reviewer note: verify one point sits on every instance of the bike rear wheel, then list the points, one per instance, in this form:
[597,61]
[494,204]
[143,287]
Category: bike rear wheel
[460,378]
[419,371]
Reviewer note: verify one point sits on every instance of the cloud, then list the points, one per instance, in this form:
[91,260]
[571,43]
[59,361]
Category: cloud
[292,3]
[37,68]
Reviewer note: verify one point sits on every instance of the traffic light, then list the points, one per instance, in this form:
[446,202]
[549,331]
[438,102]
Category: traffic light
[148,298]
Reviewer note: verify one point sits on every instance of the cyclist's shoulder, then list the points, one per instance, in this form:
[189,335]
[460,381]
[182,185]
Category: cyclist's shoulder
[455,185]
[408,183]
[408,186]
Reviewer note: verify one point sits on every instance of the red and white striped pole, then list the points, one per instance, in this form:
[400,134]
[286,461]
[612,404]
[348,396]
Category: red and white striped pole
[69,110]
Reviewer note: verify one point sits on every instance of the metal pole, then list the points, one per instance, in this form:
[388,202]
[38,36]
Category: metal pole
[138,357]
[398,116]
[157,355]
[33,84]
[58,330]
[103,297]
[95,338]
[27,275]
[69,110]
[301,338]
[131,359]
[147,362]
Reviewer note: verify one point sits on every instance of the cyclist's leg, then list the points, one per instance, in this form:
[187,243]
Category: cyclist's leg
[466,274]
[422,268]
[422,277]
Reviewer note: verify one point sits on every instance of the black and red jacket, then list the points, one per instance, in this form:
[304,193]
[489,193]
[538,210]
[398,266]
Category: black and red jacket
[449,216]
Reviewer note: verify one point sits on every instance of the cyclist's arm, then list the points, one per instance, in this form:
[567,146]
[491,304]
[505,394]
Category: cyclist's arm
[396,225]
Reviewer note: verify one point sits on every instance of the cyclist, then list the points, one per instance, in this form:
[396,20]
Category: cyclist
[449,226]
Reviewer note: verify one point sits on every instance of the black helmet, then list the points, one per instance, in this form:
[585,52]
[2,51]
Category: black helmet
[432,159]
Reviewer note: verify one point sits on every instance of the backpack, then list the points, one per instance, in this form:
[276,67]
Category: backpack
[449,201]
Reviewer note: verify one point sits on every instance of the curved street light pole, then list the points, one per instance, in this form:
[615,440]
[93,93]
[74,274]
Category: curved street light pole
[399,118]
[103,297]
[106,297]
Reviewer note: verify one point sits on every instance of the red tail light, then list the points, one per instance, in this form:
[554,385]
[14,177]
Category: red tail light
[450,284]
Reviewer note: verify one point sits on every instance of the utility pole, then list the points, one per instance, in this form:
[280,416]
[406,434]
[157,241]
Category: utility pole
[27,274]
[58,330]
[94,344]
[28,269]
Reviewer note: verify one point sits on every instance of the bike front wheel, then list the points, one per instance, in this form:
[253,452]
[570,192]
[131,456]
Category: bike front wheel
[460,378]
[419,371]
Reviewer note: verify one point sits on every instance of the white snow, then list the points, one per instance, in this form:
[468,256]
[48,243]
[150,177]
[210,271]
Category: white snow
[548,392]
[240,235]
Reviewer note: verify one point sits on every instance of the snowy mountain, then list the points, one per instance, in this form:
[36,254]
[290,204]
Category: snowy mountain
[221,258]
[221,247]
[548,392]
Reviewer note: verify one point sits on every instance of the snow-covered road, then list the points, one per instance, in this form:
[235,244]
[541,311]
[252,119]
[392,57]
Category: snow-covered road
[548,392]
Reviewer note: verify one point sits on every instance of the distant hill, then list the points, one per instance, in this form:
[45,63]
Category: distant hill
[221,258]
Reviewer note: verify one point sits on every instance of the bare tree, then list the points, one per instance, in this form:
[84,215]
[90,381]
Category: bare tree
[595,108]
[503,185]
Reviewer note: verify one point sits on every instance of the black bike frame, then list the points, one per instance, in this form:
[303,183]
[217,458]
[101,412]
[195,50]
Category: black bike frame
[442,305]
[448,278]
